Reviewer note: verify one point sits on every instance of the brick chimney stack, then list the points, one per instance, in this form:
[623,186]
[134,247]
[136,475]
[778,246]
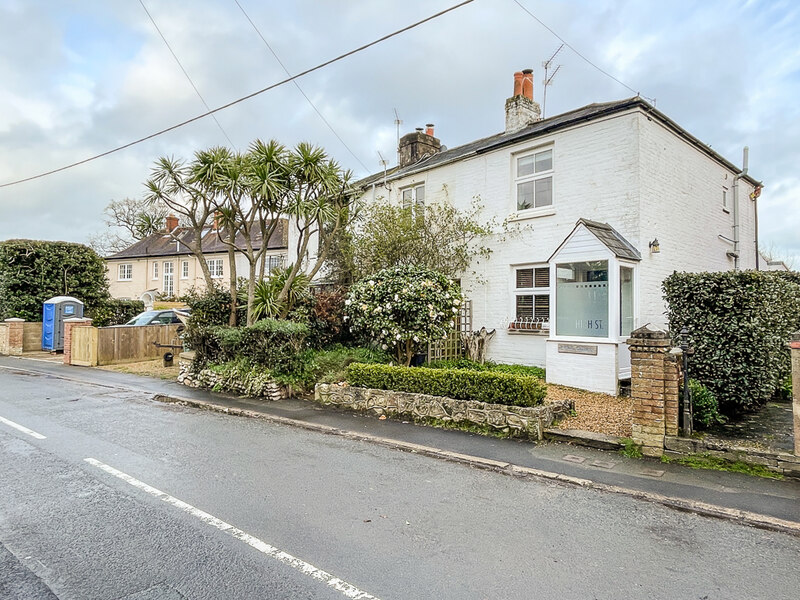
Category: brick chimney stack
[172,223]
[521,110]
[415,146]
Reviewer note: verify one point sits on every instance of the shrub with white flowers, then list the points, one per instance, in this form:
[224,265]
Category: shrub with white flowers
[403,308]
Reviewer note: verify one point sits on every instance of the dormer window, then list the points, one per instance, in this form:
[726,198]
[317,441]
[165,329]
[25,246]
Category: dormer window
[533,173]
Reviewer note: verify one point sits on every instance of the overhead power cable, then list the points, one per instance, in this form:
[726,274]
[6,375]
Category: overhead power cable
[571,47]
[243,98]
[299,89]
[177,60]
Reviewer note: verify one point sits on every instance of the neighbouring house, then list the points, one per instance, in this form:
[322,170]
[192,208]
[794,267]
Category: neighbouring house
[161,264]
[607,200]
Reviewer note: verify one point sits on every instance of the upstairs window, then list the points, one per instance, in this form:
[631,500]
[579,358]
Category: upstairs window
[532,299]
[533,175]
[125,272]
[414,197]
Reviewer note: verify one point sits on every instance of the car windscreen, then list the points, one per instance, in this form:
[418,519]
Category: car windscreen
[143,318]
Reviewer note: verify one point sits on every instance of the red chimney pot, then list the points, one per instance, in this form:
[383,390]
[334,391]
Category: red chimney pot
[527,83]
[172,223]
[429,129]
[518,83]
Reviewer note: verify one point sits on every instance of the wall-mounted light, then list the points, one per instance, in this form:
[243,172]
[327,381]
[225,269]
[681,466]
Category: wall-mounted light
[654,247]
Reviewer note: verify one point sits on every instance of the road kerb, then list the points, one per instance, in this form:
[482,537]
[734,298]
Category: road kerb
[693,506]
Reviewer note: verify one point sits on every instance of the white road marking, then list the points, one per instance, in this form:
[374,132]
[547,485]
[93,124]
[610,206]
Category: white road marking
[19,427]
[340,585]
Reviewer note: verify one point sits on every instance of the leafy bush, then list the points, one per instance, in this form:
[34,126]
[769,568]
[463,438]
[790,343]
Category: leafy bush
[114,312]
[209,306]
[403,308]
[265,299]
[323,311]
[330,366]
[32,272]
[270,343]
[739,322]
[705,409]
[461,384]
[465,363]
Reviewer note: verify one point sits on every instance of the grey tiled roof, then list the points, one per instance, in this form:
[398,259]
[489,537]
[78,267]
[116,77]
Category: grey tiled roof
[549,125]
[613,240]
[163,244]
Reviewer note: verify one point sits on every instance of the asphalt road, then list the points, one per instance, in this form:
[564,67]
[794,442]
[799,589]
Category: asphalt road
[181,503]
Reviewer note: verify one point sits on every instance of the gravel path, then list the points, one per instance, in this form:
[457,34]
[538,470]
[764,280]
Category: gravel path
[600,413]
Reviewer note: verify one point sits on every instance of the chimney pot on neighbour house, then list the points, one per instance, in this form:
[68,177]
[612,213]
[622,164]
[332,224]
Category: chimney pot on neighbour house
[172,223]
[429,129]
[521,110]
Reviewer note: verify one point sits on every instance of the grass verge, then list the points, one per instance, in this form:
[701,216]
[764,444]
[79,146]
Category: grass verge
[706,461]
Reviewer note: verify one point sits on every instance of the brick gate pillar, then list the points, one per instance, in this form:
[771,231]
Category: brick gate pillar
[794,345]
[15,335]
[655,375]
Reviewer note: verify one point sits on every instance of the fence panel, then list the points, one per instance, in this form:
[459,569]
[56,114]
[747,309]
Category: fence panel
[84,346]
[31,337]
[133,343]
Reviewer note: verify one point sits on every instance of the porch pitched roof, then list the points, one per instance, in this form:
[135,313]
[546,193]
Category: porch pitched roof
[608,236]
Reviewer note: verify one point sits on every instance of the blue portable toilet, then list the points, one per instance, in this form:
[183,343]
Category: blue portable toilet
[54,312]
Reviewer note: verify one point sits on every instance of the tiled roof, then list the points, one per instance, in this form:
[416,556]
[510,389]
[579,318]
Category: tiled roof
[164,244]
[613,240]
[549,125]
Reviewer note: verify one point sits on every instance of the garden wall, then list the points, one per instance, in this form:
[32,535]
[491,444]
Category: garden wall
[517,420]
[209,380]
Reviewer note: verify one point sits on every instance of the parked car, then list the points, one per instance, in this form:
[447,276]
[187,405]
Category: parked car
[155,317]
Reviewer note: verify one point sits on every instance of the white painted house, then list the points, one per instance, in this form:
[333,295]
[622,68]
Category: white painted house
[609,199]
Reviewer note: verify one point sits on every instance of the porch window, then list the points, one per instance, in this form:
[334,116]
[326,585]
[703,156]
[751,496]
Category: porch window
[532,299]
[534,179]
[155,270]
[582,299]
[185,269]
[625,301]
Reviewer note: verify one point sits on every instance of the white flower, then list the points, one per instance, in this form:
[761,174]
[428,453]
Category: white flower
[347,302]
[388,306]
[384,332]
[396,297]
[371,283]
[384,346]
[416,338]
[344,318]
[397,336]
[455,310]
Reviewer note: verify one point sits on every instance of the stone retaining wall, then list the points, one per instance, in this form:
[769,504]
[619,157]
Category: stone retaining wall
[516,420]
[209,380]
[780,462]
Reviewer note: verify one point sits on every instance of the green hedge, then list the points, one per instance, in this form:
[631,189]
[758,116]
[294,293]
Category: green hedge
[461,384]
[269,343]
[114,312]
[32,272]
[465,363]
[739,324]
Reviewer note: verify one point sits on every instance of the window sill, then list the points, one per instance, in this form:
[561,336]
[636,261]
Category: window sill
[533,213]
[534,332]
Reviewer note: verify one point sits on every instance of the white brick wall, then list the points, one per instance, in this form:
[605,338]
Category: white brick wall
[624,170]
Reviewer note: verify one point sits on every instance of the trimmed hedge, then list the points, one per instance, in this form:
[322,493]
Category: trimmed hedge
[460,384]
[465,363]
[739,323]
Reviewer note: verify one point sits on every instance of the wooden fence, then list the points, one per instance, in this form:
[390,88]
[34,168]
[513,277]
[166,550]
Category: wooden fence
[452,347]
[92,346]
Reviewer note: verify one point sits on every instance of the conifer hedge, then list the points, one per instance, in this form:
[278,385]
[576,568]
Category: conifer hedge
[739,324]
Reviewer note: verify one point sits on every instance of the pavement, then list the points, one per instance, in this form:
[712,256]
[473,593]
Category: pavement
[759,502]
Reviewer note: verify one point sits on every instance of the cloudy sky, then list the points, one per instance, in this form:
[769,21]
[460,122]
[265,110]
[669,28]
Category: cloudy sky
[80,77]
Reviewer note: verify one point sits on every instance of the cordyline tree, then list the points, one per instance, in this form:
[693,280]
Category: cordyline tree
[249,193]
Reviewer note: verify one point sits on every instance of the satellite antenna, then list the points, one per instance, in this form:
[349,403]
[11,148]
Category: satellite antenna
[397,121]
[548,79]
